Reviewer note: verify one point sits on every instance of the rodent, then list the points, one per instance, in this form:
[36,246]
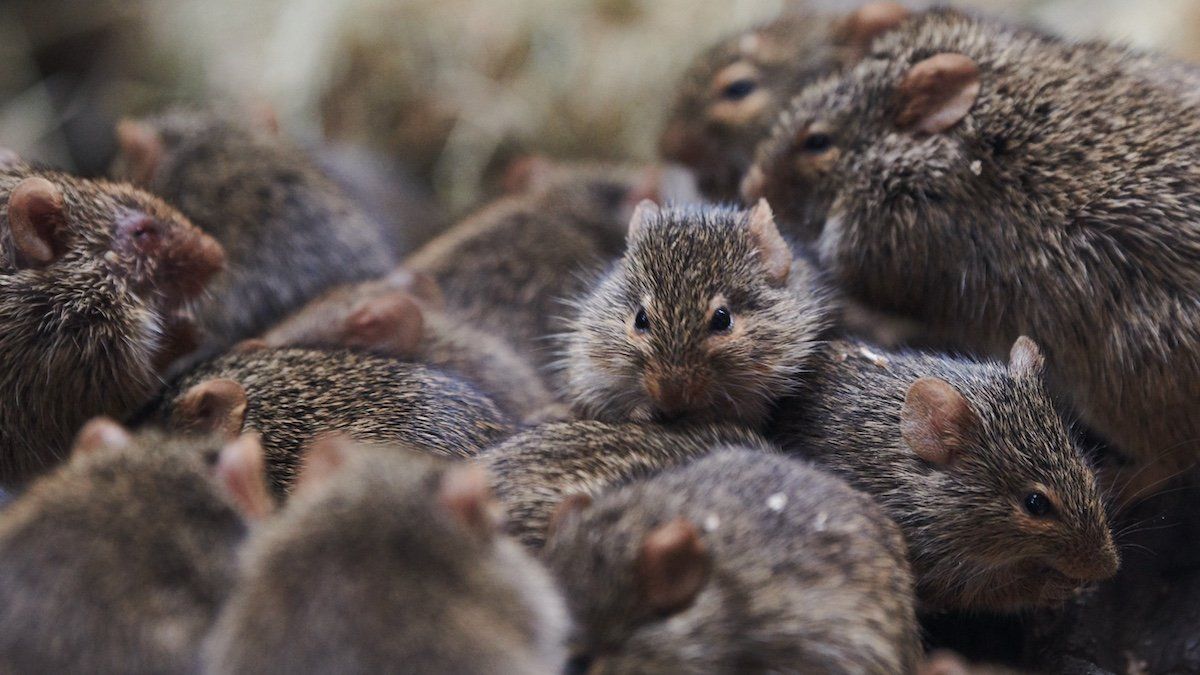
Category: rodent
[971,459]
[291,396]
[289,231]
[708,317]
[508,268]
[738,562]
[733,91]
[991,181]
[119,560]
[402,316]
[535,470]
[96,279]
[389,560]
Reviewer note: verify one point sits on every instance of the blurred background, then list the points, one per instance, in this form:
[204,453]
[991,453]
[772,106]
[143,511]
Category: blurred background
[445,91]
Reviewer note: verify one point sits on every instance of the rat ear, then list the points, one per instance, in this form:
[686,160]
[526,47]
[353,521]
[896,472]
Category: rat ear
[393,320]
[242,469]
[464,491]
[1025,360]
[265,118]
[142,147]
[868,22]
[100,433]
[672,566]
[937,93]
[571,506]
[754,184]
[214,406]
[421,285]
[9,158]
[935,420]
[38,222]
[322,460]
[643,214]
[525,173]
[773,251]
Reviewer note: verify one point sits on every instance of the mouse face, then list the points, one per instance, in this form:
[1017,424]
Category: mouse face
[696,321]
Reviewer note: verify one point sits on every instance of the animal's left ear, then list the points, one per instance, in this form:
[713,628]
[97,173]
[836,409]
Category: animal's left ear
[1026,360]
[393,321]
[242,470]
[937,93]
[643,214]
[142,147]
[868,22]
[936,421]
[672,567]
[465,493]
[773,251]
[100,433]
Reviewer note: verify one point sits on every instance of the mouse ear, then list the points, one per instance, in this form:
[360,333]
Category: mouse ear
[936,420]
[264,117]
[571,506]
[464,491]
[322,460]
[943,662]
[937,93]
[9,158]
[773,251]
[643,214]
[142,147]
[38,221]
[100,433]
[868,22]
[672,567]
[242,470]
[213,406]
[393,321]
[1025,360]
[524,173]
[422,286]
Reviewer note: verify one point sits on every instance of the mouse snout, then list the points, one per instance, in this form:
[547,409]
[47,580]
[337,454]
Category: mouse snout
[190,259]
[674,393]
[1089,563]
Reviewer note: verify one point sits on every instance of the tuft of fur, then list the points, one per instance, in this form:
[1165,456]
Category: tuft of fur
[807,574]
[89,333]
[295,395]
[289,231]
[679,266]
[1063,206]
[536,469]
[118,561]
[972,545]
[368,572]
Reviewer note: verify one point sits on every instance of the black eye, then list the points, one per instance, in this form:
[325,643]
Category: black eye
[641,322]
[816,143]
[738,89]
[1038,505]
[721,320]
[578,664]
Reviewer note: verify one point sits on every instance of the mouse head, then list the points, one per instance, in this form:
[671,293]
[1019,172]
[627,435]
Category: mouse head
[733,91]
[701,319]
[633,583]
[1011,514]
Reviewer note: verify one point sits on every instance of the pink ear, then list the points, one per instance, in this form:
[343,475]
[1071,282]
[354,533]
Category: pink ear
[870,21]
[143,149]
[936,420]
[937,93]
[100,433]
[465,493]
[242,469]
[672,567]
[774,252]
[393,322]
[643,214]
[571,506]
[1025,359]
[322,460]
[213,406]
[421,285]
[37,219]
[526,173]
[9,158]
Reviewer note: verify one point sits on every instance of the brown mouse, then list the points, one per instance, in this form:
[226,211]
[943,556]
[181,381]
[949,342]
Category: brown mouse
[733,91]
[291,396]
[707,317]
[738,562]
[95,282]
[290,233]
[535,470]
[991,181]
[119,560]
[971,459]
[388,560]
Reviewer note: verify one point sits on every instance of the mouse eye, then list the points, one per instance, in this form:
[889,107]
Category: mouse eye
[1038,505]
[641,322]
[739,89]
[818,142]
[578,664]
[721,321]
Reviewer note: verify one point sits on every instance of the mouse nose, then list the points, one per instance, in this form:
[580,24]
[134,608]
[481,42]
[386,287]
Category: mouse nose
[673,393]
[1090,563]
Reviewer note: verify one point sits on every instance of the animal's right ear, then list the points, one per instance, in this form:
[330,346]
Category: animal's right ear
[213,406]
[571,506]
[100,433]
[393,321]
[242,469]
[672,567]
[143,149]
[38,221]
[936,420]
[525,173]
[937,93]
[773,250]
[465,493]
[644,214]
[422,286]
[322,460]
[868,22]
[1025,359]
